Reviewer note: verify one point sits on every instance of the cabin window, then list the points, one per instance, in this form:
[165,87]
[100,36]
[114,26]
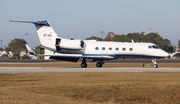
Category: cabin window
[117,49]
[110,48]
[123,49]
[97,48]
[130,49]
[103,48]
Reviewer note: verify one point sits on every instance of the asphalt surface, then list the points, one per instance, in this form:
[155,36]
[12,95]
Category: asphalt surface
[106,61]
[16,70]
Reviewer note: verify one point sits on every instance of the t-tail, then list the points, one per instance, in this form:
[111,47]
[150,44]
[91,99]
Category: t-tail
[46,33]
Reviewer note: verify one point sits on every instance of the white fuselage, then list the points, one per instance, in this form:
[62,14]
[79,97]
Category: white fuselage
[123,49]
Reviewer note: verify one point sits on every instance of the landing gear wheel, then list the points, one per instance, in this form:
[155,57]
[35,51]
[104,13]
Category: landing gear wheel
[155,63]
[155,66]
[98,64]
[83,65]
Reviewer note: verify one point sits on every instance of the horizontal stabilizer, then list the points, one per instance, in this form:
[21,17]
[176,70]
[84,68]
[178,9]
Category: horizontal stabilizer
[45,22]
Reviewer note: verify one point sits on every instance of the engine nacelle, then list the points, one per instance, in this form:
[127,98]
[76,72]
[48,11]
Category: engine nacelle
[72,44]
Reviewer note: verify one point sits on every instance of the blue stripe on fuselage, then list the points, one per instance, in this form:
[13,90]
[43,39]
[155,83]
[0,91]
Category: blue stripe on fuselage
[116,56]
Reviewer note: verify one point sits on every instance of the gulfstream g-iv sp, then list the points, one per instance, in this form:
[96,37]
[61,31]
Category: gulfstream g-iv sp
[75,49]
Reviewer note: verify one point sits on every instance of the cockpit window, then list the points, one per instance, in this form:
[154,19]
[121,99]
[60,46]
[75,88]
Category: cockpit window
[156,47]
[153,46]
[150,46]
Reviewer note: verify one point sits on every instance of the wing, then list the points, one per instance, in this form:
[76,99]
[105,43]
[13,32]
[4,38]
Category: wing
[76,57]
[72,57]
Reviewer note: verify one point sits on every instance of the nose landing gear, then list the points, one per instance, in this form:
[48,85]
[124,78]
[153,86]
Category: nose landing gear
[155,63]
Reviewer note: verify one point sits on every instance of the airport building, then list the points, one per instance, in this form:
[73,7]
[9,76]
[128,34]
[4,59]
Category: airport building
[9,55]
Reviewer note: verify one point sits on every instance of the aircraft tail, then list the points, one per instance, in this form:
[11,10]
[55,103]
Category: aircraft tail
[46,33]
[31,52]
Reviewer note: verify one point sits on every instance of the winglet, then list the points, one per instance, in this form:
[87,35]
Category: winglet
[31,52]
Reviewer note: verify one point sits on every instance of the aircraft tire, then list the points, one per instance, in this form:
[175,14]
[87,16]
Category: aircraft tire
[98,64]
[155,66]
[83,65]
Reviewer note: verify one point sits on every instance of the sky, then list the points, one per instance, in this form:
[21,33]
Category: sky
[80,19]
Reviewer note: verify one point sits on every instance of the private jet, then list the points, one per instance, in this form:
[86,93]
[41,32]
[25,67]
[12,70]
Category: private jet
[76,49]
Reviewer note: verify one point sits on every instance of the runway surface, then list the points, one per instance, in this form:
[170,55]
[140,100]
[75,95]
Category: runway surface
[16,70]
[106,61]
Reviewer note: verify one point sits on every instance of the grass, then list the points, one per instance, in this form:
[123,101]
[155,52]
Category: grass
[88,88]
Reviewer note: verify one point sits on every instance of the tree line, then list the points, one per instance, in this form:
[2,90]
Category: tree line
[17,45]
[155,38]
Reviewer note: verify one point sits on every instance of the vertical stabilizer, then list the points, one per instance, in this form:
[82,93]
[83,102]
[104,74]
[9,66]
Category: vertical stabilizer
[46,33]
[31,52]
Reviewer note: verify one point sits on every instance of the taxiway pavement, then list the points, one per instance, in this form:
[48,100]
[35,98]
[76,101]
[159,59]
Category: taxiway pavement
[16,70]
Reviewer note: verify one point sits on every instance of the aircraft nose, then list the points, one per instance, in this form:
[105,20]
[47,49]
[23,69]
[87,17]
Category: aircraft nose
[166,54]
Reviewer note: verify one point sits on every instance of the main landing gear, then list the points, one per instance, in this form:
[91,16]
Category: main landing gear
[155,63]
[99,64]
[84,63]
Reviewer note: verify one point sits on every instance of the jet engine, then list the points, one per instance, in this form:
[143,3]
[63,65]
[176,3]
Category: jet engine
[69,46]
[72,44]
